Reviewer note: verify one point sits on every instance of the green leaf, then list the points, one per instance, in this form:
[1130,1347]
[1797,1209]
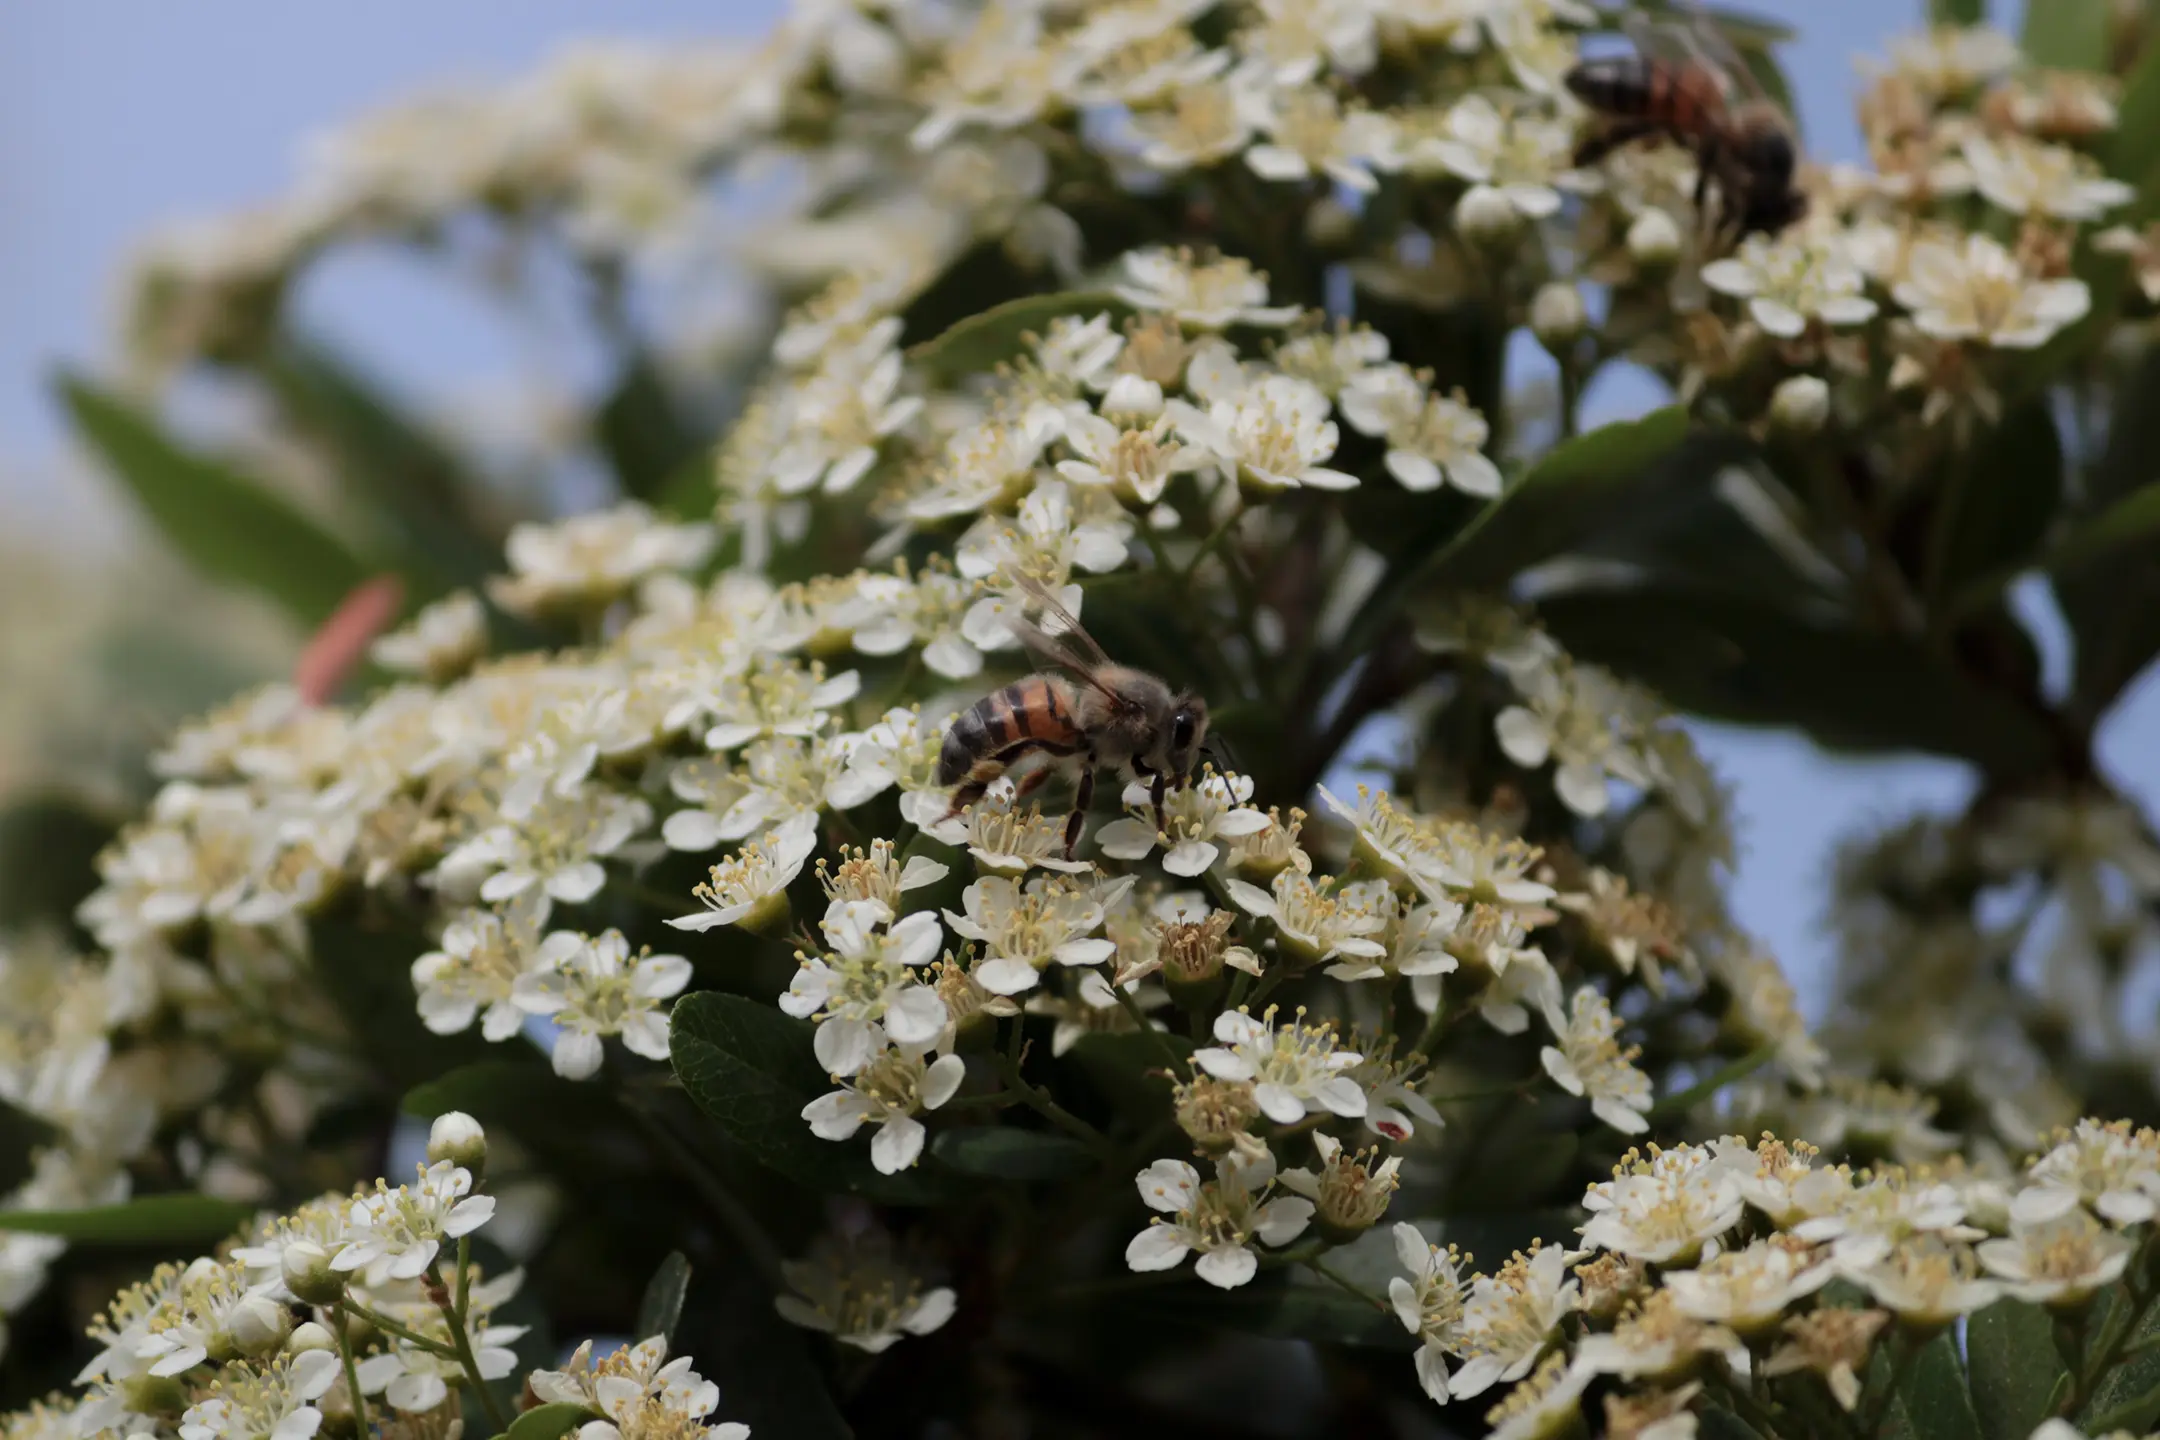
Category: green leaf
[663,1302]
[977,344]
[2135,151]
[1128,1069]
[1931,1401]
[1994,516]
[2128,1396]
[232,528]
[2010,1348]
[1957,12]
[1581,489]
[762,1364]
[1730,658]
[429,503]
[550,1422]
[179,1219]
[363,959]
[2067,34]
[1006,1154]
[642,432]
[1288,1303]
[750,1068]
[2104,571]
[49,844]
[488,1089]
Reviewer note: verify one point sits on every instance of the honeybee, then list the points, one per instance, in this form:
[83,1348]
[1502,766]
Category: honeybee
[1745,149]
[1101,714]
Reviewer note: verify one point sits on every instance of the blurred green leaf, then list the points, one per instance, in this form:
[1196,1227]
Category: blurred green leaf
[763,1365]
[2128,1396]
[1288,1303]
[2010,1347]
[1994,517]
[1003,1153]
[1957,12]
[2106,571]
[550,1422]
[1931,1402]
[2067,34]
[977,344]
[750,1068]
[363,960]
[49,844]
[1721,1424]
[1127,1069]
[642,432]
[1730,658]
[663,1302]
[2134,153]
[1579,490]
[432,507]
[147,1220]
[233,529]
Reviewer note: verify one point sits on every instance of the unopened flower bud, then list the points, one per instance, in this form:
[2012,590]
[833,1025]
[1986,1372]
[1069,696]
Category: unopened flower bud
[1485,217]
[1192,960]
[258,1327]
[309,1336]
[1349,1193]
[1653,241]
[155,1395]
[1132,398]
[1557,316]
[1214,1113]
[309,1276]
[458,1138]
[1800,405]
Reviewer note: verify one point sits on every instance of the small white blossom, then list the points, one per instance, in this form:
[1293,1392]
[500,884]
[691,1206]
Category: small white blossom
[441,642]
[1220,1218]
[1589,1062]
[1274,435]
[1194,817]
[588,560]
[395,1234]
[593,986]
[1429,1304]
[1024,928]
[868,986]
[888,1093]
[1202,294]
[754,879]
[1510,1319]
[1295,1069]
[1976,290]
[1788,281]
[1430,438]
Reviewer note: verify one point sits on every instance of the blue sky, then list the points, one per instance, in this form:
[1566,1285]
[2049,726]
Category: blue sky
[118,116]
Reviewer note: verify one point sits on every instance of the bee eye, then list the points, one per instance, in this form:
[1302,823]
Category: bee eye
[1181,731]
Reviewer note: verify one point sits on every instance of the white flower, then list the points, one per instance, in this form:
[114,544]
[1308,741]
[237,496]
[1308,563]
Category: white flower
[593,986]
[1309,135]
[1976,290]
[837,417]
[1220,1219]
[1429,1304]
[857,1290]
[1295,1069]
[777,698]
[1136,464]
[1052,534]
[483,953]
[1201,125]
[1789,280]
[1194,817]
[754,879]
[1519,157]
[1431,438]
[1750,1289]
[634,1373]
[1274,435]
[1320,922]
[2029,177]
[1928,1281]
[416,1380]
[217,1312]
[557,847]
[395,1234]
[2111,1168]
[1881,1216]
[1049,921]
[1006,839]
[1203,295]
[868,986]
[1664,1209]
[888,1093]
[1417,947]
[588,560]
[1588,722]
[441,642]
[2062,1261]
[273,1402]
[1589,1062]
[1092,1009]
[1510,1319]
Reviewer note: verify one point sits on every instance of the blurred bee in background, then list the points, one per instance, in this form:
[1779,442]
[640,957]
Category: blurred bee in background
[1684,83]
[1098,713]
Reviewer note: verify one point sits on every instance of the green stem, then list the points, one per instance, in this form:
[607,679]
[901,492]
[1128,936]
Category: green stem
[1039,1101]
[463,1340]
[1321,1268]
[464,1278]
[388,1326]
[1434,1027]
[1131,1007]
[1739,1069]
[352,1370]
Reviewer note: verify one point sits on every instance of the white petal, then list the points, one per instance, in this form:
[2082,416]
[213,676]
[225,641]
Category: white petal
[1168,1185]
[1228,1268]
[691,831]
[915,1016]
[577,1056]
[1002,975]
[1278,1103]
[844,1046]
[836,1116]
[1159,1247]
[1126,839]
[897,1145]
[1523,737]
[942,1080]
[1283,1219]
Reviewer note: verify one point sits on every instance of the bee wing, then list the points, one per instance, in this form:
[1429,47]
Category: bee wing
[1061,640]
[1667,34]
[1713,49]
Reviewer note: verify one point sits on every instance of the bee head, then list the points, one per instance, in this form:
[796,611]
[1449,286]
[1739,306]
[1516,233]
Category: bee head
[1188,732]
[1766,151]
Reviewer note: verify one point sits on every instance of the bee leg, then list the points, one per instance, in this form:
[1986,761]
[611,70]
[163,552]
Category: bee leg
[1083,797]
[1031,782]
[1155,794]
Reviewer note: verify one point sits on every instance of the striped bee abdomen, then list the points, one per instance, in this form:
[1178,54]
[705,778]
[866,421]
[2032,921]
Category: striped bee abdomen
[995,732]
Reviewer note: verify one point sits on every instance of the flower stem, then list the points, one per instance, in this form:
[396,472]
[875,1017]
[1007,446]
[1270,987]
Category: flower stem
[463,1341]
[1739,1069]
[1321,1268]
[1040,1102]
[352,1371]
